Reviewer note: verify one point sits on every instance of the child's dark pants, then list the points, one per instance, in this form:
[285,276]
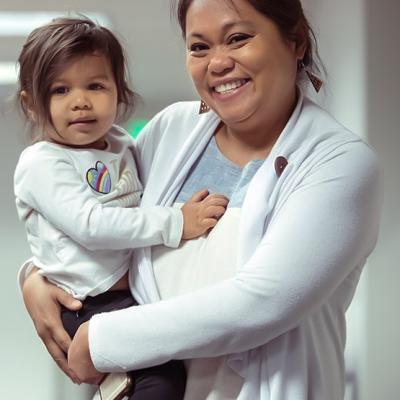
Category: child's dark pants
[164,382]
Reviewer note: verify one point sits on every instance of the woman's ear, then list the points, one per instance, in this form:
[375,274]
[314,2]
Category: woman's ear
[300,41]
[301,50]
[27,104]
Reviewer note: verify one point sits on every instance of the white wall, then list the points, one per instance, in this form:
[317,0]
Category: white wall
[383,378]
[340,28]
[22,356]
[359,42]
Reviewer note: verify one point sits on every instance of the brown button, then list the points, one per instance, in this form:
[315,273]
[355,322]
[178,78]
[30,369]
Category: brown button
[280,165]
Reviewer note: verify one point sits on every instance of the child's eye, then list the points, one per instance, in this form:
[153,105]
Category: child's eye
[238,38]
[96,86]
[59,90]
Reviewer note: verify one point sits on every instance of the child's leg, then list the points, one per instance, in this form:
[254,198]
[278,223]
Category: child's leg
[108,301]
[166,382]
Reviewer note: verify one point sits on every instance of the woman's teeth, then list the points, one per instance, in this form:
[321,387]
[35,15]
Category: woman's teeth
[227,87]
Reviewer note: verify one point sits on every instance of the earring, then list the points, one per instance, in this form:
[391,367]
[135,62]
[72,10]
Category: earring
[314,79]
[204,108]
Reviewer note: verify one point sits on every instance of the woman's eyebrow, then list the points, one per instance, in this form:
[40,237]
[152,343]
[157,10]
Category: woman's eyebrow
[225,28]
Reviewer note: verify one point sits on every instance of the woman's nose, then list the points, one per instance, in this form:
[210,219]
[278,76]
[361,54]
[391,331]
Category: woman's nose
[220,62]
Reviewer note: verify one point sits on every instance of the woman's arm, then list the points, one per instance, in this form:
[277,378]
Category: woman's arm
[326,229]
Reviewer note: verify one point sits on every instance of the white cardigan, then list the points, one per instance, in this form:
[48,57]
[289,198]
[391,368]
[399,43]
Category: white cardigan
[304,238]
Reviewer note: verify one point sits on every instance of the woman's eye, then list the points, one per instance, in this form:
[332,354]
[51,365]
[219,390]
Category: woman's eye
[59,90]
[238,38]
[196,47]
[96,86]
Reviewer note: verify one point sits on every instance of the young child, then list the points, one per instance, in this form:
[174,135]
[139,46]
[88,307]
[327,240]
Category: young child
[77,186]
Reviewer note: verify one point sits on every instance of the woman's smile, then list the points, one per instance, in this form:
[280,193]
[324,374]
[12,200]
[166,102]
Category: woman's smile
[230,90]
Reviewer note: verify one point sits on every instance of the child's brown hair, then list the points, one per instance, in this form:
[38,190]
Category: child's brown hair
[49,48]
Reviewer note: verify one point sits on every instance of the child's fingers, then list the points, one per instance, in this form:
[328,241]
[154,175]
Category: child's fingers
[214,211]
[213,196]
[208,223]
[216,201]
[199,196]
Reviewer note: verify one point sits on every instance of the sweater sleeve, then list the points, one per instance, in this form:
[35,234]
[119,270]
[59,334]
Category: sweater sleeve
[327,227]
[49,183]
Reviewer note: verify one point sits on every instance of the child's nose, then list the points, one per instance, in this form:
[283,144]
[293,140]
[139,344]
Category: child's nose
[81,101]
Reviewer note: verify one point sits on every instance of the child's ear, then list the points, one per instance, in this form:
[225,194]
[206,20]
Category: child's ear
[27,103]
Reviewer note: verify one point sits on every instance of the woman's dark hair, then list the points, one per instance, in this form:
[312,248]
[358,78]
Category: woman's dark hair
[49,48]
[289,17]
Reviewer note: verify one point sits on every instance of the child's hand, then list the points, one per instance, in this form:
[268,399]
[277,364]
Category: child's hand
[201,212]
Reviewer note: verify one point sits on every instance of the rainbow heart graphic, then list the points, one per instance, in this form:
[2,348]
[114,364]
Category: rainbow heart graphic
[99,178]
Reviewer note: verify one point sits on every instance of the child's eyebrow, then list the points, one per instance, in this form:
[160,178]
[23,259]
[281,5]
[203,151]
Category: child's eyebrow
[101,77]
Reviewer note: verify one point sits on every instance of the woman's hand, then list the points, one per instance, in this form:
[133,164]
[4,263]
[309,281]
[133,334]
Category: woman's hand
[202,212]
[79,360]
[43,301]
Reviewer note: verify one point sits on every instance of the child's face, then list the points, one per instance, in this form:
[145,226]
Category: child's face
[83,103]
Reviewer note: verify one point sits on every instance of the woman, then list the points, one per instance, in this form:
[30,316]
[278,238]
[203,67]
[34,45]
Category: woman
[257,305]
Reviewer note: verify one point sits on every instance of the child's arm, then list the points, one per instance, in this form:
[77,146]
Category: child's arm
[49,183]
[201,212]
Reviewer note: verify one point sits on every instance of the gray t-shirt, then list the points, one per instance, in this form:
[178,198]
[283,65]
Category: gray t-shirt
[213,171]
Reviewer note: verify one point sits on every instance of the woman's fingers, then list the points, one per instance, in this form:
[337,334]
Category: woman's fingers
[61,337]
[57,341]
[67,300]
[79,359]
[42,300]
[59,356]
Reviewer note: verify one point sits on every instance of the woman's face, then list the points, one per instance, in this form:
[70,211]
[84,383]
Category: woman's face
[241,65]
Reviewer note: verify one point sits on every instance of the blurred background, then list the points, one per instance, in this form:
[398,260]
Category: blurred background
[358,42]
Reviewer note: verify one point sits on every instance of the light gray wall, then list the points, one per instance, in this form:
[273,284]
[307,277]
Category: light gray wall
[23,358]
[383,37]
[359,44]
[343,51]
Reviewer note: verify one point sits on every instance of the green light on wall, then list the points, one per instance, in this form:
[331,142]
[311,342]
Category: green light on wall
[135,126]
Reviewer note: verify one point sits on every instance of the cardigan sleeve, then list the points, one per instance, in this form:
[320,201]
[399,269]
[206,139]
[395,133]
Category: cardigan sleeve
[324,231]
[49,183]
